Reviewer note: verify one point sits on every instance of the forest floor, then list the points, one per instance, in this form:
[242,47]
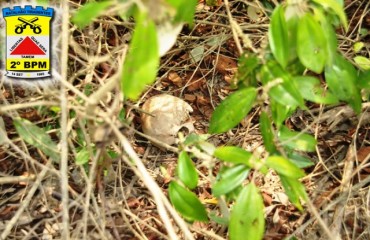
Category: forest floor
[117,202]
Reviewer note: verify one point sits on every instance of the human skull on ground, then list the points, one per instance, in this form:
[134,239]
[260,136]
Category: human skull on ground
[164,116]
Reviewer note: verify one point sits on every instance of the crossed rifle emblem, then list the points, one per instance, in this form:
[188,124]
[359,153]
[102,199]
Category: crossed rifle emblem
[35,27]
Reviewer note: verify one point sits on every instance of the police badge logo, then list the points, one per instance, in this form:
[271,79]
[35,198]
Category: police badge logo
[28,41]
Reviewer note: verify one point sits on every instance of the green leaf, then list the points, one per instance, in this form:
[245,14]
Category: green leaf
[37,137]
[337,7]
[187,171]
[219,220]
[89,11]
[280,112]
[232,110]
[292,24]
[341,79]
[340,2]
[122,115]
[230,179]
[358,46]
[185,10]
[193,139]
[278,36]
[297,140]
[364,80]
[82,157]
[187,203]
[142,60]
[233,155]
[267,134]
[247,64]
[247,219]
[311,89]
[364,32]
[295,190]
[311,44]
[285,92]
[362,62]
[284,167]
[299,160]
[330,35]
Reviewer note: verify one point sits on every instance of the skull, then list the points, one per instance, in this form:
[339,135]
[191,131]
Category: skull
[164,116]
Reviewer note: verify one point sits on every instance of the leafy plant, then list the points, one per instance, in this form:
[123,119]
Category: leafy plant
[301,40]
[37,137]
[302,44]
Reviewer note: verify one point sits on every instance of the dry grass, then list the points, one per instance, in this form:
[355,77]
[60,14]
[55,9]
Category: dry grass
[124,195]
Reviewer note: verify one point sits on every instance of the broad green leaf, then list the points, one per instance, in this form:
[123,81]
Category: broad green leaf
[297,140]
[296,67]
[232,110]
[247,219]
[337,7]
[362,62]
[267,134]
[294,189]
[82,157]
[285,92]
[186,171]
[86,14]
[299,160]
[233,155]
[185,10]
[187,203]
[341,79]
[311,43]
[311,90]
[278,36]
[37,137]
[364,80]
[330,35]
[284,167]
[142,60]
[340,2]
[230,179]
[292,24]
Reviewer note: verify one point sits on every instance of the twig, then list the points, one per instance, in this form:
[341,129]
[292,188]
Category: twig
[159,198]
[237,31]
[13,107]
[17,179]
[232,24]
[24,205]
[63,123]
[323,225]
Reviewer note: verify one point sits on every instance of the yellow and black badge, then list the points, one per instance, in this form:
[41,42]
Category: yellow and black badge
[28,42]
